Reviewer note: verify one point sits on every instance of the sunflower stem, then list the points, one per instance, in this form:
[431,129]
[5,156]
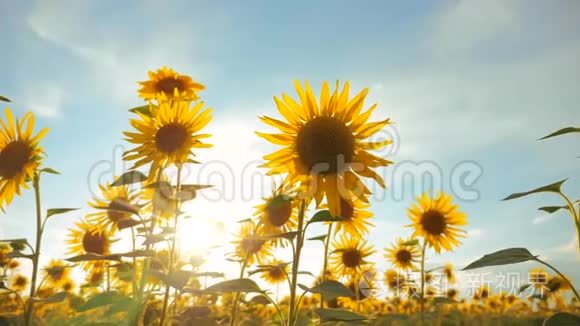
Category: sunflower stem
[325,264]
[36,253]
[561,275]
[172,245]
[134,280]
[423,282]
[575,216]
[237,298]
[295,263]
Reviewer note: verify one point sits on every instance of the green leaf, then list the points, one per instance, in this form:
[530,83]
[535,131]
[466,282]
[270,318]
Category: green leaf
[100,300]
[562,318]
[49,170]
[153,239]
[324,216]
[144,109]
[92,257]
[443,300]
[411,243]
[237,285]
[178,279]
[288,236]
[128,223]
[209,274]
[56,298]
[139,253]
[260,299]
[561,132]
[319,238]
[554,187]
[552,209]
[524,287]
[330,314]
[330,289]
[129,178]
[57,211]
[4,99]
[246,220]
[120,205]
[502,257]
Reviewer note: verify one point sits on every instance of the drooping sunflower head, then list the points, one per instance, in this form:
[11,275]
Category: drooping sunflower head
[167,83]
[355,218]
[249,247]
[56,273]
[325,147]
[274,271]
[558,284]
[277,214]
[112,197]
[89,238]
[20,154]
[169,135]
[402,255]
[437,220]
[349,255]
[159,201]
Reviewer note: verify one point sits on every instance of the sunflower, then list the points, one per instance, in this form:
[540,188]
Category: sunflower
[89,238]
[56,273]
[437,220]
[449,272]
[277,213]
[159,202]
[403,256]
[538,277]
[249,247]
[395,280]
[168,136]
[111,197]
[349,255]
[557,283]
[355,218]
[20,155]
[274,271]
[19,283]
[324,144]
[166,82]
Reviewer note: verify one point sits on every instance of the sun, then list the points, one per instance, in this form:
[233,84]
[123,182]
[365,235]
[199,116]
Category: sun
[197,235]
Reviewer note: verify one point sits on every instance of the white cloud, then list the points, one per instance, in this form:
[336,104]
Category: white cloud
[46,100]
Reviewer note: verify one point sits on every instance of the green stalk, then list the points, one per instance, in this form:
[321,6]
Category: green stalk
[237,298]
[575,216]
[561,275]
[295,264]
[36,253]
[423,283]
[172,245]
[325,264]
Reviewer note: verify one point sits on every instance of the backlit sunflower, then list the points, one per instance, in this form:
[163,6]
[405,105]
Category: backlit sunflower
[437,220]
[277,214]
[20,155]
[166,82]
[89,238]
[19,283]
[449,272]
[110,198]
[355,218]
[349,255]
[274,271]
[403,256]
[169,135]
[395,281]
[56,273]
[249,247]
[325,147]
[159,202]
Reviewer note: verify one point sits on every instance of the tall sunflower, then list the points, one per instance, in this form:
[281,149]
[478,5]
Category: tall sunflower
[403,256]
[169,135]
[166,82]
[355,218]
[249,247]
[277,214]
[20,154]
[90,238]
[437,220]
[111,196]
[56,273]
[349,255]
[325,147]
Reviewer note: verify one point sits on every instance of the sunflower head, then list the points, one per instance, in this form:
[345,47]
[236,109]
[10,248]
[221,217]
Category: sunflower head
[349,255]
[395,280]
[558,284]
[167,83]
[402,255]
[56,273]
[274,271]
[355,218]
[20,155]
[325,147]
[538,277]
[449,272]
[169,135]
[111,198]
[19,283]
[160,201]
[249,247]
[277,214]
[437,220]
[89,238]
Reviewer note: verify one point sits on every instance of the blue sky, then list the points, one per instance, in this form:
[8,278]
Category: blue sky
[464,81]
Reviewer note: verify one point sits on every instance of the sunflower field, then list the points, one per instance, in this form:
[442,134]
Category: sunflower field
[327,162]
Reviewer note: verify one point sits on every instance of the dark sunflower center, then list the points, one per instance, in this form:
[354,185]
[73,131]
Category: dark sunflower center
[20,281]
[13,158]
[94,242]
[351,258]
[171,137]
[168,85]
[56,273]
[433,222]
[323,142]
[115,215]
[346,210]
[276,273]
[404,256]
[278,213]
[252,246]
